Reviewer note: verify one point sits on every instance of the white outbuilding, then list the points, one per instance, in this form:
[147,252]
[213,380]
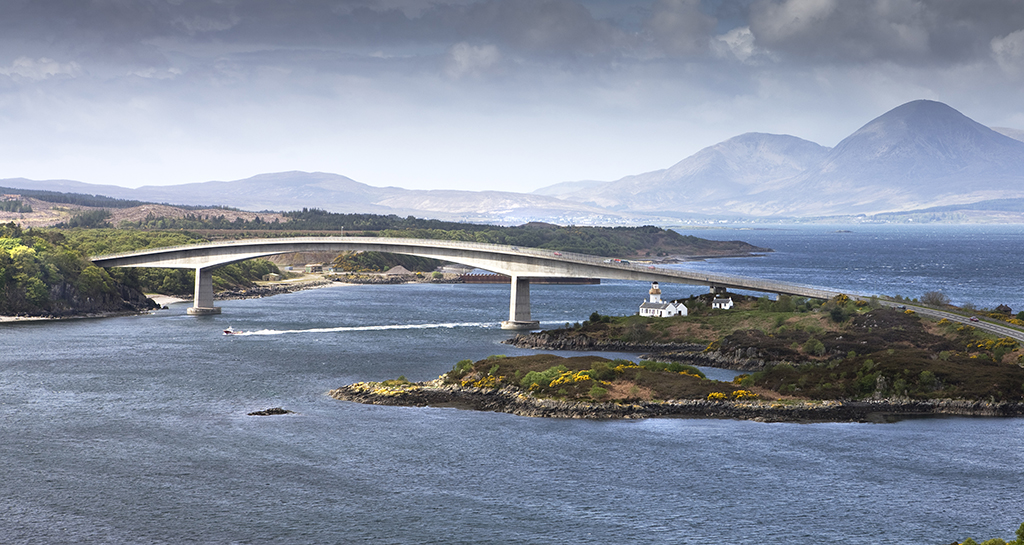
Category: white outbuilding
[724,303]
[658,309]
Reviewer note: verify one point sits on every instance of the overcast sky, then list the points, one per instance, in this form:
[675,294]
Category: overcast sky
[467,94]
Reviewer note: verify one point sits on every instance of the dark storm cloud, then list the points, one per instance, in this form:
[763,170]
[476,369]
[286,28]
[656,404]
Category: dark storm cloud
[902,31]
[680,28]
[817,31]
[146,32]
[532,26]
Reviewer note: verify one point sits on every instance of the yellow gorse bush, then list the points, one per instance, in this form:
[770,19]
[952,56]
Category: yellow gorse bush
[570,377]
[621,368]
[992,344]
[717,396]
[486,382]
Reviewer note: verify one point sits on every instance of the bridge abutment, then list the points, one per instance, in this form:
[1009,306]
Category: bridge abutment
[519,306]
[203,302]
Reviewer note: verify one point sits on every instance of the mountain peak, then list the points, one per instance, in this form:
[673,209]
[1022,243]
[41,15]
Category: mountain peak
[921,117]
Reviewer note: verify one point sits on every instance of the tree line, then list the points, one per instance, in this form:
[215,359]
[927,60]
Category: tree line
[47,271]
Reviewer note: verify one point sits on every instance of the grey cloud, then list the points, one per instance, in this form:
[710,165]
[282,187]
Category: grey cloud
[139,36]
[902,31]
[680,28]
[531,27]
[1009,52]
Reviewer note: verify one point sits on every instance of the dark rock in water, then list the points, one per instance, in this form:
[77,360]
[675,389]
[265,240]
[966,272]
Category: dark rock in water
[271,412]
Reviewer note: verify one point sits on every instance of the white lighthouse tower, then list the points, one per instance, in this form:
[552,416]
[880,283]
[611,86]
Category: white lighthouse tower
[655,293]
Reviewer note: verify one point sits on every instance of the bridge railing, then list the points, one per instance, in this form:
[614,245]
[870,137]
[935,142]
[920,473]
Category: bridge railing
[753,284]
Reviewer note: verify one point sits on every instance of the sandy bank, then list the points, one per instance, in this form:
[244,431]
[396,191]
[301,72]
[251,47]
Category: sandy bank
[164,300]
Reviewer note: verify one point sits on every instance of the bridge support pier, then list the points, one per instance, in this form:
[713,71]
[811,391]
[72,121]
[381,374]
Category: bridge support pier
[202,304]
[519,306]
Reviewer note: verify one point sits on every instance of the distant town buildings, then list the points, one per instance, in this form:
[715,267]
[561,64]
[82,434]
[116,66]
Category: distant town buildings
[658,309]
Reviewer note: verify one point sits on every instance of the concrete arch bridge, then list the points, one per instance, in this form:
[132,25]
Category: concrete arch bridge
[520,263]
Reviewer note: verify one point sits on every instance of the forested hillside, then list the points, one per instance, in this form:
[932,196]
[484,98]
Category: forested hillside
[41,273]
[46,272]
[646,241]
[166,281]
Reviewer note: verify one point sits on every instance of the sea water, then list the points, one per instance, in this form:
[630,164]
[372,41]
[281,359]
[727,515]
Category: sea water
[135,429]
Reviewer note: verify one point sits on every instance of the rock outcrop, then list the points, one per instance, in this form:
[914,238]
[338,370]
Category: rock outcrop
[273,411]
[693,354]
[541,341]
[67,301]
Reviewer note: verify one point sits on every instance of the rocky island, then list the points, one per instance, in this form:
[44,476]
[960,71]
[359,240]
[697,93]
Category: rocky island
[810,361]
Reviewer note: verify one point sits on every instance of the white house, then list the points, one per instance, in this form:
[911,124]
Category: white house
[724,303]
[656,308]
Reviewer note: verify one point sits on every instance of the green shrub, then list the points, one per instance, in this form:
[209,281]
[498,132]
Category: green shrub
[597,392]
[604,370]
[814,346]
[460,369]
[927,381]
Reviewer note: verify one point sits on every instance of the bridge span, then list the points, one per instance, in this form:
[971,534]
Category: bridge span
[521,263]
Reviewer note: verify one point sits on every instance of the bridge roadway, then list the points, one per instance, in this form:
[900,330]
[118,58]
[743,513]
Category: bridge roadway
[520,263]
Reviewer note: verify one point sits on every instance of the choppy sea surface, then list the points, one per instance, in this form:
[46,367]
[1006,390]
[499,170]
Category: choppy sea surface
[134,429]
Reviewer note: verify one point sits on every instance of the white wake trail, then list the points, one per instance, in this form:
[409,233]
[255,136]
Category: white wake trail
[345,329]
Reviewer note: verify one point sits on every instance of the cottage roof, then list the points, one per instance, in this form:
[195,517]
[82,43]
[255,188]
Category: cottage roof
[659,306]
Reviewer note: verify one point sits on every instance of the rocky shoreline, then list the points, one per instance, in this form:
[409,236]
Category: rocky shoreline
[692,354]
[515,401]
[257,292]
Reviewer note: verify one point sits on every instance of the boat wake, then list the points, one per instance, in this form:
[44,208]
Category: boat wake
[364,328]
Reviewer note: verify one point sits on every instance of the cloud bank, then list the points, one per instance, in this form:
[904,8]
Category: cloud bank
[489,94]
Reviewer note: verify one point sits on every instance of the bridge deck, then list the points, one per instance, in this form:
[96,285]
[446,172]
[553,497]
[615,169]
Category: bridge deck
[518,262]
[504,259]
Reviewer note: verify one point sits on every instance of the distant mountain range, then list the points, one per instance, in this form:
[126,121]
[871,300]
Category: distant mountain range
[921,155]
[284,191]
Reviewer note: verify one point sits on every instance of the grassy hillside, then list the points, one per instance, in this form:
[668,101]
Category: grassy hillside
[832,350]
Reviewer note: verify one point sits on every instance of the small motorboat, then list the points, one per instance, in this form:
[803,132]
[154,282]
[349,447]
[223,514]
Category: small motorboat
[231,331]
